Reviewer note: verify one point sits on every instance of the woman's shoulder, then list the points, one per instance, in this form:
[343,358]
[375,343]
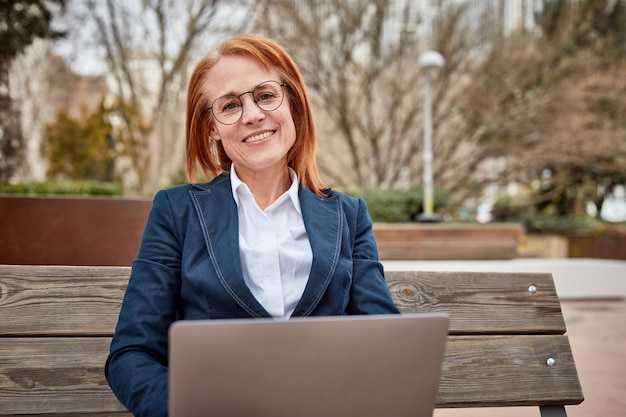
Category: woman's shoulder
[332,193]
[345,199]
[185,189]
[197,186]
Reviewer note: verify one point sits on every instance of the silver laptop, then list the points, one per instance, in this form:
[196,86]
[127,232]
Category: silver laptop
[340,366]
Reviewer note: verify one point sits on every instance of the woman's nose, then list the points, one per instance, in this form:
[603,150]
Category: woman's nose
[251,112]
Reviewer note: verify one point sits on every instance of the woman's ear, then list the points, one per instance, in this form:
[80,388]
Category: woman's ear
[214,134]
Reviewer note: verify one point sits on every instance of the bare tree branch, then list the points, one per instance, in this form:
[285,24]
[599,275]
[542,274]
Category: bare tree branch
[149,47]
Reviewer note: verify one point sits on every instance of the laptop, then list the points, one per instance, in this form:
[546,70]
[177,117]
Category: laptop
[339,366]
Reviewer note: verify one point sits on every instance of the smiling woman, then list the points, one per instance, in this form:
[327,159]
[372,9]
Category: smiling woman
[264,238]
[256,132]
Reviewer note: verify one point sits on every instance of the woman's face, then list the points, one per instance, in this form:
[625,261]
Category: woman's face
[260,140]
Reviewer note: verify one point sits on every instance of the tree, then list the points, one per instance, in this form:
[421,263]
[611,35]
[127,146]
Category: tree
[89,149]
[21,21]
[359,67]
[553,105]
[360,61]
[79,150]
[149,47]
[508,103]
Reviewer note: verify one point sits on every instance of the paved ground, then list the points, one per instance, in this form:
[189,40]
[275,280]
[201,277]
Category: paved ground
[597,331]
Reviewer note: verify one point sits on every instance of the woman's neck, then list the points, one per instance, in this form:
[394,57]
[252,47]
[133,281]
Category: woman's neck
[266,186]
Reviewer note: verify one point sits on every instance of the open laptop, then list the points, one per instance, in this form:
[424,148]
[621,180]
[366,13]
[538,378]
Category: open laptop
[340,366]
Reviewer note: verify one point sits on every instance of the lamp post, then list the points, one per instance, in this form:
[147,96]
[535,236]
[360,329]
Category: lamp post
[428,61]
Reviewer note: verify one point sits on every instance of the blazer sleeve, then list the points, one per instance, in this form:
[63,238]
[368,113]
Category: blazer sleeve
[136,368]
[369,293]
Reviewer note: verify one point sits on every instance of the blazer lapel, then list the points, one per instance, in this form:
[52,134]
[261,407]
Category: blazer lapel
[217,212]
[322,219]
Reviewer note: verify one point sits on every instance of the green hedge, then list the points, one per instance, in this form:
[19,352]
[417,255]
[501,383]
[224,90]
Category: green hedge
[562,225]
[396,206]
[64,187]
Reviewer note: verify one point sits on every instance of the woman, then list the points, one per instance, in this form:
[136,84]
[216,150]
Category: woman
[262,239]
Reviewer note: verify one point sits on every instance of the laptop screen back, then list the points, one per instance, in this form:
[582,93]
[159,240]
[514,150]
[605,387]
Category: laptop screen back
[343,366]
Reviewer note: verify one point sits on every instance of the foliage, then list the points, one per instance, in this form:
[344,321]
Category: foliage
[537,217]
[21,21]
[396,206]
[149,48]
[88,149]
[506,105]
[63,187]
[563,225]
[553,107]
[11,139]
[508,208]
[79,149]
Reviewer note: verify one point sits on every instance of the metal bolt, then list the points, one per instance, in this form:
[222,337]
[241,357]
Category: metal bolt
[532,289]
[551,362]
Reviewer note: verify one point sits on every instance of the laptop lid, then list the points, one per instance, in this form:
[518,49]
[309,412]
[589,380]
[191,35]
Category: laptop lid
[343,366]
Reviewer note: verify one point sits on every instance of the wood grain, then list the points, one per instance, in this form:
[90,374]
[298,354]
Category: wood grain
[482,302]
[55,374]
[60,300]
[508,371]
[57,323]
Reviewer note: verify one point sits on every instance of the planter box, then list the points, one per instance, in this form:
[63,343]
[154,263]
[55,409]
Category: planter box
[605,245]
[37,230]
[546,245]
[41,230]
[414,241]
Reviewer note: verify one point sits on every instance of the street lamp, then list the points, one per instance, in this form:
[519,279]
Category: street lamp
[428,61]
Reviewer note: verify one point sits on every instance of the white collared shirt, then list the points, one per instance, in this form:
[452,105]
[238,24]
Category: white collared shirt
[274,248]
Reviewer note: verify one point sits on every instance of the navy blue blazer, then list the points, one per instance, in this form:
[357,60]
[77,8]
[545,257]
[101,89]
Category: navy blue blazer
[188,267]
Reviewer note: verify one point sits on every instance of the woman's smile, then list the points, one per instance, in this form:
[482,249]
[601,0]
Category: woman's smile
[259,136]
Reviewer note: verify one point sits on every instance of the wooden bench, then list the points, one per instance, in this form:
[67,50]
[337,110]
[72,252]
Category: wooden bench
[507,343]
[441,241]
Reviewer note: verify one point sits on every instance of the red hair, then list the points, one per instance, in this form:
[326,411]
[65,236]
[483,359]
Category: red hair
[209,155]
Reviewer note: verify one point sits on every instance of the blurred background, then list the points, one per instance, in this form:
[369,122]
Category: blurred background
[528,111]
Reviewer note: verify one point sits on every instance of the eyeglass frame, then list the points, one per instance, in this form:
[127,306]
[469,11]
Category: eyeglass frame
[281,85]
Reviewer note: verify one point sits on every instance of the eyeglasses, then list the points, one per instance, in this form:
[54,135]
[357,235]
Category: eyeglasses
[228,109]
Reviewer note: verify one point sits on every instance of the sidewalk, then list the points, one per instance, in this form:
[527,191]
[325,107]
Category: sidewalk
[597,332]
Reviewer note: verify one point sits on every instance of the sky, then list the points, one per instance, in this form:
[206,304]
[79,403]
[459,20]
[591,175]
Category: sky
[85,55]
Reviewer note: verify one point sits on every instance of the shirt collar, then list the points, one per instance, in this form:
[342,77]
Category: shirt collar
[239,186]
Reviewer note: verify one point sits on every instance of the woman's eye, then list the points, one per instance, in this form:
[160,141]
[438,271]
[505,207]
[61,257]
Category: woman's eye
[230,106]
[265,96]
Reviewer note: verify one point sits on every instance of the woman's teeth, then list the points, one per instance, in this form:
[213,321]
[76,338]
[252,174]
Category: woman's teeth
[258,137]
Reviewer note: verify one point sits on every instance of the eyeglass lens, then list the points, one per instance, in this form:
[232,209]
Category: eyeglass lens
[228,109]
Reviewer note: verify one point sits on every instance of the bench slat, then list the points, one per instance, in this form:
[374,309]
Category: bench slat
[508,371]
[49,300]
[64,374]
[482,302]
[81,414]
[59,300]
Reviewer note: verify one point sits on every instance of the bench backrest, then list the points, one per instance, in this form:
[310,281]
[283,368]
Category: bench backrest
[507,343]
